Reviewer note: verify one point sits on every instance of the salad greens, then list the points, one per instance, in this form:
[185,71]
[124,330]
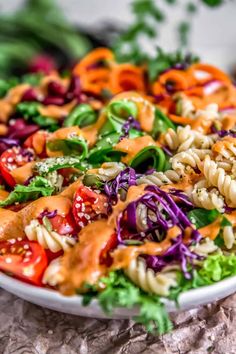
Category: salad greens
[121,292]
[38,187]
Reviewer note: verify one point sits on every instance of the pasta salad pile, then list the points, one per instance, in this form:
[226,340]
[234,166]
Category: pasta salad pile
[116,187]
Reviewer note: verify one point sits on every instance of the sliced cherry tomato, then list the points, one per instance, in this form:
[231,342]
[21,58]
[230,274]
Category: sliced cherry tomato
[12,159]
[64,224]
[26,260]
[88,206]
[105,257]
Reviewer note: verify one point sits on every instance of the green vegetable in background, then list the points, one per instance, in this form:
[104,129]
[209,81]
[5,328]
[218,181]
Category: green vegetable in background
[82,115]
[38,187]
[39,26]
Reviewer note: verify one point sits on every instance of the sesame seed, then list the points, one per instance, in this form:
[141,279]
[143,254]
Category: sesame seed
[8,260]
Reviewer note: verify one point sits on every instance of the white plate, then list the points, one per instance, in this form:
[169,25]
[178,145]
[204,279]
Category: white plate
[72,304]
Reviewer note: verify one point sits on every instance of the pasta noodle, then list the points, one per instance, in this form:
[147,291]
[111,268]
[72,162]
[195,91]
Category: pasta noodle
[217,177]
[52,275]
[185,138]
[159,283]
[109,170]
[205,247]
[203,198]
[160,178]
[188,160]
[229,237]
[48,239]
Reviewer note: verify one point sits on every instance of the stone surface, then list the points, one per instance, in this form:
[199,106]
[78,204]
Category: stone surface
[27,328]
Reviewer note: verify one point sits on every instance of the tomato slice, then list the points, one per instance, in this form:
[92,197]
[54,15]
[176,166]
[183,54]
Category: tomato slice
[26,260]
[105,257]
[88,206]
[64,225]
[12,159]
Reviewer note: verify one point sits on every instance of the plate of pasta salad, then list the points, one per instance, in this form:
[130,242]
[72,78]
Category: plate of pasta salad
[118,191]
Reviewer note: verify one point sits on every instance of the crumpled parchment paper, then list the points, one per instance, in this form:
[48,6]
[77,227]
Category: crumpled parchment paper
[27,328]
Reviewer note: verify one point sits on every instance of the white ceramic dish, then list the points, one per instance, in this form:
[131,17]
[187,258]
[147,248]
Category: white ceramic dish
[72,304]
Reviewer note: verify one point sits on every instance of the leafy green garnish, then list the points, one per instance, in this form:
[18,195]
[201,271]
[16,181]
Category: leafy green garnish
[121,292]
[38,187]
[203,217]
[165,60]
[30,111]
[213,269]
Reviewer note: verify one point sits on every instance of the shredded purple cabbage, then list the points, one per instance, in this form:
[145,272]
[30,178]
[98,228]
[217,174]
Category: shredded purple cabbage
[167,151]
[129,124]
[122,181]
[48,214]
[162,214]
[223,133]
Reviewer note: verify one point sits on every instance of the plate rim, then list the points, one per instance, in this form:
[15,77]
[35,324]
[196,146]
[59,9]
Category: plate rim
[212,292]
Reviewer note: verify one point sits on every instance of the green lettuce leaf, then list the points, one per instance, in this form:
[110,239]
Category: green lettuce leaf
[38,187]
[121,292]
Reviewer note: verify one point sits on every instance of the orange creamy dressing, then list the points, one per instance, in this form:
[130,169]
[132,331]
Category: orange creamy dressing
[8,103]
[3,194]
[11,225]
[229,121]
[57,112]
[3,129]
[21,174]
[132,146]
[81,264]
[226,143]
[39,141]
[69,191]
[15,222]
[211,230]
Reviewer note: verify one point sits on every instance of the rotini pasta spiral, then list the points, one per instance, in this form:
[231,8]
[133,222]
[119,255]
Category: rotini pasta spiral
[185,138]
[205,247]
[52,275]
[186,106]
[186,160]
[109,170]
[229,237]
[47,239]
[150,282]
[160,178]
[217,177]
[206,199]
